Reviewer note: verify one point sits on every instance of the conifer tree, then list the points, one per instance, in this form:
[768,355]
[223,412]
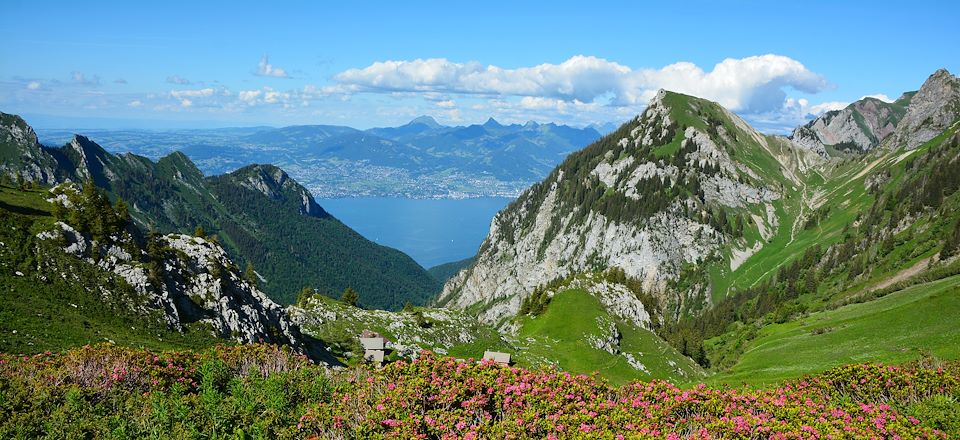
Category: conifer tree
[304,296]
[250,275]
[350,296]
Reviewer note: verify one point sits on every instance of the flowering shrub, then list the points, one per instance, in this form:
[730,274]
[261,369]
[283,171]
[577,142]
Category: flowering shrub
[439,398]
[266,391]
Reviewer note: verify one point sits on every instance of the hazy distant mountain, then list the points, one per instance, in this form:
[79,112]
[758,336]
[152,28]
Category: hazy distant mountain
[419,159]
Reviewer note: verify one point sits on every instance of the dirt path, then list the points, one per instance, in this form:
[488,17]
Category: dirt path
[903,274]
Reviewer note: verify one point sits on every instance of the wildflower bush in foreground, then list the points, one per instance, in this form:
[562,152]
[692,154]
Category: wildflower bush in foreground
[263,391]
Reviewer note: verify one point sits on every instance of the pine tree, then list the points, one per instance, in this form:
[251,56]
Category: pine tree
[810,282]
[155,257]
[701,357]
[305,294]
[250,275]
[199,232]
[952,243]
[856,268]
[350,296]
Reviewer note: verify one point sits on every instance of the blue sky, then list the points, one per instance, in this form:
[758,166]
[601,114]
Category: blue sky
[203,64]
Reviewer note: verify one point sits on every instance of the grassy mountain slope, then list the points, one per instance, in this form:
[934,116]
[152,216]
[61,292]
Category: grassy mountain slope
[893,329]
[575,334]
[731,231]
[857,228]
[574,326]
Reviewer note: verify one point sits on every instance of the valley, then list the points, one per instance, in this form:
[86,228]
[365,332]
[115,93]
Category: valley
[684,272]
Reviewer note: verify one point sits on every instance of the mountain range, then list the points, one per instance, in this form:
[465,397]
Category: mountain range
[684,245]
[421,159]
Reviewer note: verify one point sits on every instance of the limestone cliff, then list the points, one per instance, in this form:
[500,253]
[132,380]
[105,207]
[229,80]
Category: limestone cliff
[934,108]
[859,127]
[674,187]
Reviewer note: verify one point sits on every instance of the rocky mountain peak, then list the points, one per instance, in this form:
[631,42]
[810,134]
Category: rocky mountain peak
[425,120]
[23,154]
[492,123]
[266,179]
[933,109]
[646,199]
[181,167]
[276,184]
[861,126]
[15,131]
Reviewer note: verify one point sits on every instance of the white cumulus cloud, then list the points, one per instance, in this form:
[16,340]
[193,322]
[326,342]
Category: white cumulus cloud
[752,84]
[264,68]
[879,96]
[197,93]
[249,96]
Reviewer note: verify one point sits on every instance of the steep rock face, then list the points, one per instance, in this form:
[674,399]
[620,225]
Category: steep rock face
[646,199]
[861,126]
[20,152]
[933,109]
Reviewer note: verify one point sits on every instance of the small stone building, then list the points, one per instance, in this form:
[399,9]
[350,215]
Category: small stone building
[374,347]
[498,357]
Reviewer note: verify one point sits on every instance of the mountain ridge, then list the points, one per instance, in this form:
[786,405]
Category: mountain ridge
[303,247]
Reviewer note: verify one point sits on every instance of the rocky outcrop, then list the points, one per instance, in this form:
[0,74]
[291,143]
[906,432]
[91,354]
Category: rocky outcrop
[408,333]
[934,108]
[861,126]
[197,285]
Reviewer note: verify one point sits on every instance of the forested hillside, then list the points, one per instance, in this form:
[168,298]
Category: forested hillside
[258,213]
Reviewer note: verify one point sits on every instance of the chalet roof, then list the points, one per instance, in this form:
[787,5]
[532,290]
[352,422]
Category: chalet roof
[373,343]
